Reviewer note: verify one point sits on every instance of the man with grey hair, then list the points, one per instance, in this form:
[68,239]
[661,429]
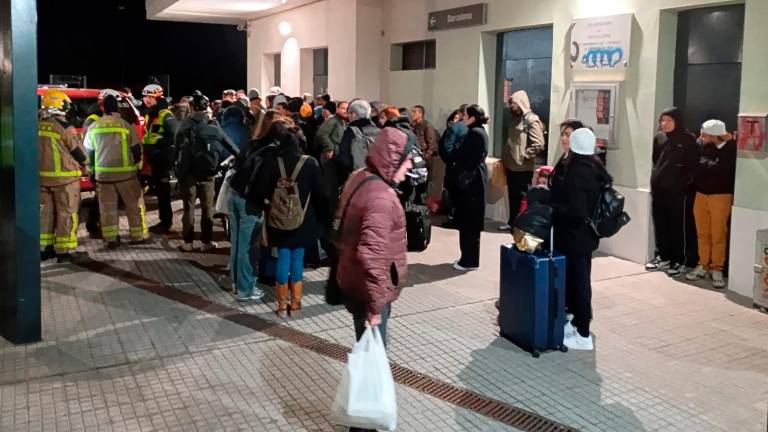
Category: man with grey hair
[357,139]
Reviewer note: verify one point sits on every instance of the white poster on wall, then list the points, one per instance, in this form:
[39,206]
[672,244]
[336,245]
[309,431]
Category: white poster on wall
[595,106]
[601,43]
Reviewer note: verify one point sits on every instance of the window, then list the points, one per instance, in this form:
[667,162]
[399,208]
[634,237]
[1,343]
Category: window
[320,71]
[414,55]
[277,70]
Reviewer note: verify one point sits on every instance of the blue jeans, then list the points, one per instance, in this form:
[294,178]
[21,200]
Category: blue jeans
[245,227]
[361,317]
[290,265]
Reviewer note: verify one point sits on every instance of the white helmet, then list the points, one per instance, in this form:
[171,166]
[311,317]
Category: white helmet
[152,90]
[109,92]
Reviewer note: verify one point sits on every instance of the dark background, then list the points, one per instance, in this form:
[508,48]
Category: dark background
[114,45]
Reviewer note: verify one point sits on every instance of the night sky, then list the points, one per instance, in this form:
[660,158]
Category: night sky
[113,43]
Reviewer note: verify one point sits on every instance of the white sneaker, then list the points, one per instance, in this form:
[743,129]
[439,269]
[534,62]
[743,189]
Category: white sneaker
[187,247]
[505,227]
[456,266]
[698,273]
[570,330]
[257,294]
[717,279]
[207,247]
[675,270]
[579,342]
[657,264]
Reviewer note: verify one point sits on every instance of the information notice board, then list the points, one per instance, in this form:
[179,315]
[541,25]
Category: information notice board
[595,106]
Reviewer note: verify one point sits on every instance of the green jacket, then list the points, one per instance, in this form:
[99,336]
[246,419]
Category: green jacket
[330,134]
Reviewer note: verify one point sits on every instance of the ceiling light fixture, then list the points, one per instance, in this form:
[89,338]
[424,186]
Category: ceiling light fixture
[285,28]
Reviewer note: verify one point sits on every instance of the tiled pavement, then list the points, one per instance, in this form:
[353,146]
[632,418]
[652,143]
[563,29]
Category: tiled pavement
[670,356]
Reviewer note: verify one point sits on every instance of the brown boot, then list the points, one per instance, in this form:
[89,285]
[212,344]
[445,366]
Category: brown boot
[297,292]
[281,295]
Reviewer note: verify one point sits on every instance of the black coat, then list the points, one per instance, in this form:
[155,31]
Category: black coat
[469,202]
[310,181]
[675,157]
[576,184]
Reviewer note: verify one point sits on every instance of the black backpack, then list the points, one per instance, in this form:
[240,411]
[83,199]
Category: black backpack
[204,151]
[609,215]
[247,171]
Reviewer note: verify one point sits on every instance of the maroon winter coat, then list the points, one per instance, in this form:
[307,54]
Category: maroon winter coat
[372,247]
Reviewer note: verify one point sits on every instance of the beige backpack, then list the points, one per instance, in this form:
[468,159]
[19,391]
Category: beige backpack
[286,212]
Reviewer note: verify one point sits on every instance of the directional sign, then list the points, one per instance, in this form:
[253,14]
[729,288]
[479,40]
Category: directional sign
[466,16]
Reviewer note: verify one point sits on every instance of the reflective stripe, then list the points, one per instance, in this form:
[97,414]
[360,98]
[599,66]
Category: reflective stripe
[70,241]
[139,232]
[156,128]
[46,239]
[127,165]
[57,172]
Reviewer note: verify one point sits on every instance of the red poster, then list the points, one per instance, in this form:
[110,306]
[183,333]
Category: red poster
[751,133]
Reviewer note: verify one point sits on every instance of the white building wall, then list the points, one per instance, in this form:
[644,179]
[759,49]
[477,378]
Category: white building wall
[352,30]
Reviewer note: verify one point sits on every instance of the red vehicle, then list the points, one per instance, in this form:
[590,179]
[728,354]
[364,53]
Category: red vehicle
[86,102]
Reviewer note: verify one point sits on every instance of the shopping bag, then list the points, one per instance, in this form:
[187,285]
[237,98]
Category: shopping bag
[366,395]
[221,206]
[499,175]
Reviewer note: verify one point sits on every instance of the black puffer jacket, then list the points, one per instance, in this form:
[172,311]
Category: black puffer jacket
[575,187]
[675,157]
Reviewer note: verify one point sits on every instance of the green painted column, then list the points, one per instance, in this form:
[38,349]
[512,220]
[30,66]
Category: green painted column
[19,183]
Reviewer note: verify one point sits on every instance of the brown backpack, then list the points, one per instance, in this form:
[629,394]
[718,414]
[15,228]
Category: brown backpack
[286,212]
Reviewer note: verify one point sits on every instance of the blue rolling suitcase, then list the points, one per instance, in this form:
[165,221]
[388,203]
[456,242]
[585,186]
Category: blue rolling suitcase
[532,300]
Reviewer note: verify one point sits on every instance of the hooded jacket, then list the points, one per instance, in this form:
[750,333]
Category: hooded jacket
[371,245]
[525,139]
[675,157]
[575,190]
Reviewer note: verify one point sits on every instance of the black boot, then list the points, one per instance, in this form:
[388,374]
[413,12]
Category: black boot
[47,253]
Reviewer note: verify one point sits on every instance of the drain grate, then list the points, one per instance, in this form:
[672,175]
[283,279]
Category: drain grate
[499,411]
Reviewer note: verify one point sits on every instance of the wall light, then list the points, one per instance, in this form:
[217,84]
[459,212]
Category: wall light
[285,28]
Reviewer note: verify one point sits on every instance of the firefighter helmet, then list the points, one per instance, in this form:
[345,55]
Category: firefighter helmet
[152,90]
[56,102]
[109,92]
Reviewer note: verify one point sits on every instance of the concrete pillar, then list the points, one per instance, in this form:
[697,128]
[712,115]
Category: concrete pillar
[19,193]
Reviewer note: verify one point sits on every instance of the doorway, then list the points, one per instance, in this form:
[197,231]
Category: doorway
[708,65]
[524,62]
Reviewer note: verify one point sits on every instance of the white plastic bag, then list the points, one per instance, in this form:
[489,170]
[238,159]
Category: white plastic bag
[366,395]
[222,206]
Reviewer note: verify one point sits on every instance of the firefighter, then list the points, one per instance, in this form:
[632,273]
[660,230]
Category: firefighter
[160,150]
[92,225]
[62,158]
[114,152]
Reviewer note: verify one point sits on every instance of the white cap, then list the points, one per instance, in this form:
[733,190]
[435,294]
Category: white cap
[714,128]
[583,142]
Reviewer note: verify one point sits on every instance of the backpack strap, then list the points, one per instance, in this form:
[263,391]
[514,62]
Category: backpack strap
[296,170]
[281,167]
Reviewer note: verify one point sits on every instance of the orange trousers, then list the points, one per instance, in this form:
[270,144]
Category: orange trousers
[712,213]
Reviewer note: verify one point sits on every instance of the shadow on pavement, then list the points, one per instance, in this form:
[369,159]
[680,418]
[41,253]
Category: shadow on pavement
[427,273]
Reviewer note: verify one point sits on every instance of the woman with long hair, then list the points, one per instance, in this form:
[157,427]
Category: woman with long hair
[471,179]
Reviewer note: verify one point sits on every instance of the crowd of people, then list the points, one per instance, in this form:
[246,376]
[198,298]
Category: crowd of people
[310,180]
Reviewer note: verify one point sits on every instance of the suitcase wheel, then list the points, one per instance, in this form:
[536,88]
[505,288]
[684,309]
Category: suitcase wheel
[535,353]
[564,349]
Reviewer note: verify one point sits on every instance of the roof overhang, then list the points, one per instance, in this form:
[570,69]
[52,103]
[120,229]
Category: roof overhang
[233,12]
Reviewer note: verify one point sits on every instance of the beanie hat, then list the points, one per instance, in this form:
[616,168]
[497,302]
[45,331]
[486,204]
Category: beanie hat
[253,94]
[331,106]
[714,127]
[583,142]
[280,99]
[275,90]
[306,110]
[294,105]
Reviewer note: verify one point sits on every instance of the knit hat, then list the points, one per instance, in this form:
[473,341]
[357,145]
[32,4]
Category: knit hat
[253,94]
[280,99]
[583,142]
[331,107]
[714,128]
[306,110]
[275,90]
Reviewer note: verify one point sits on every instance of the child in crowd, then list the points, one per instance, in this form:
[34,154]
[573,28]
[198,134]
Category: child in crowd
[539,191]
